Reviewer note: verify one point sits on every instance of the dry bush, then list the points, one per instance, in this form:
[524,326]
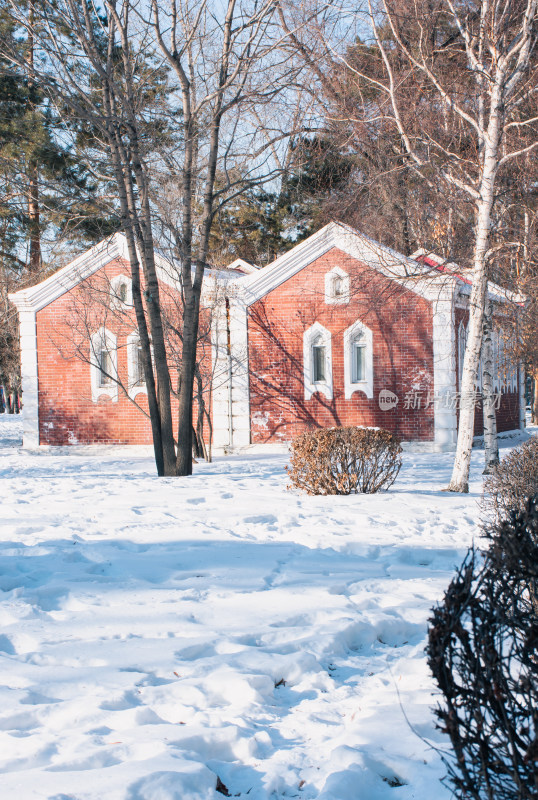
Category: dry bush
[344,460]
[512,482]
[483,652]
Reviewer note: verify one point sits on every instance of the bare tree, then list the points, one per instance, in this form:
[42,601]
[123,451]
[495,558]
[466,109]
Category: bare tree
[162,89]
[475,67]
[234,81]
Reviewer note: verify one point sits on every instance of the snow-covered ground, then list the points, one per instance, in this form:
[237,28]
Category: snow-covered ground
[158,633]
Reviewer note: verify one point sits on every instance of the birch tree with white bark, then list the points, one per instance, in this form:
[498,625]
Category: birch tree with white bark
[457,80]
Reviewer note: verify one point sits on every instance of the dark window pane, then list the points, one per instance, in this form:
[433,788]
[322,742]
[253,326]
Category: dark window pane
[105,367]
[140,379]
[359,362]
[318,363]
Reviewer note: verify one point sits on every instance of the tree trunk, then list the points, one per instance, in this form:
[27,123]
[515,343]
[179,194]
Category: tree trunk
[153,403]
[459,481]
[34,259]
[491,444]
[188,366]
[460,474]
[202,413]
[131,182]
[535,399]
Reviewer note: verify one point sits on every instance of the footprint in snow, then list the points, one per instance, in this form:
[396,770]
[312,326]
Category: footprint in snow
[6,646]
[126,701]
[262,519]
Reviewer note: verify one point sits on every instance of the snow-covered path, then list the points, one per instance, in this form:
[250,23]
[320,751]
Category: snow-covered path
[158,633]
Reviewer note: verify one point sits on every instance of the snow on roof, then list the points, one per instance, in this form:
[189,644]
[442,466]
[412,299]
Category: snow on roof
[337,235]
[114,247]
[245,267]
[464,276]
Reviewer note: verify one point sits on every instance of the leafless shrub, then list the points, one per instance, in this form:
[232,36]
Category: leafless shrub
[511,483]
[344,460]
[483,652]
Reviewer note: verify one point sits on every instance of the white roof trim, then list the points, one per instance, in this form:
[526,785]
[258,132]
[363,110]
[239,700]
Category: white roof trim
[37,297]
[464,275]
[393,265]
[243,266]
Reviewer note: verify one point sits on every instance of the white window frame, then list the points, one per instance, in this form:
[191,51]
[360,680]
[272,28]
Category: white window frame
[100,340]
[134,386]
[358,332]
[316,333]
[115,301]
[505,373]
[330,297]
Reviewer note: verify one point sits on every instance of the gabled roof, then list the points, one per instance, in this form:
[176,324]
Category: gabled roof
[240,265]
[37,297]
[439,263]
[407,271]
[464,277]
[115,247]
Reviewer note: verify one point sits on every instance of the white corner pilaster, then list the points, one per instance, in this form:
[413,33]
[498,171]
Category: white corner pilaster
[231,386]
[30,387]
[220,376]
[444,373]
[240,394]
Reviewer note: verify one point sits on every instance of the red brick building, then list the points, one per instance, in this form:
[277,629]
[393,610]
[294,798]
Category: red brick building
[340,330]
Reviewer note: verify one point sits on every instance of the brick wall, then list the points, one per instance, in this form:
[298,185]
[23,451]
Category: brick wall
[401,323]
[67,414]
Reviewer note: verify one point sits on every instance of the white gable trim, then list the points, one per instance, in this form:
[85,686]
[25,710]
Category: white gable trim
[37,297]
[406,271]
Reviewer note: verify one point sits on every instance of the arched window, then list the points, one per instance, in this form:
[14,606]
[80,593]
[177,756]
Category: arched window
[496,366]
[358,360]
[317,359]
[103,365]
[121,295]
[104,359]
[336,287]
[135,365]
